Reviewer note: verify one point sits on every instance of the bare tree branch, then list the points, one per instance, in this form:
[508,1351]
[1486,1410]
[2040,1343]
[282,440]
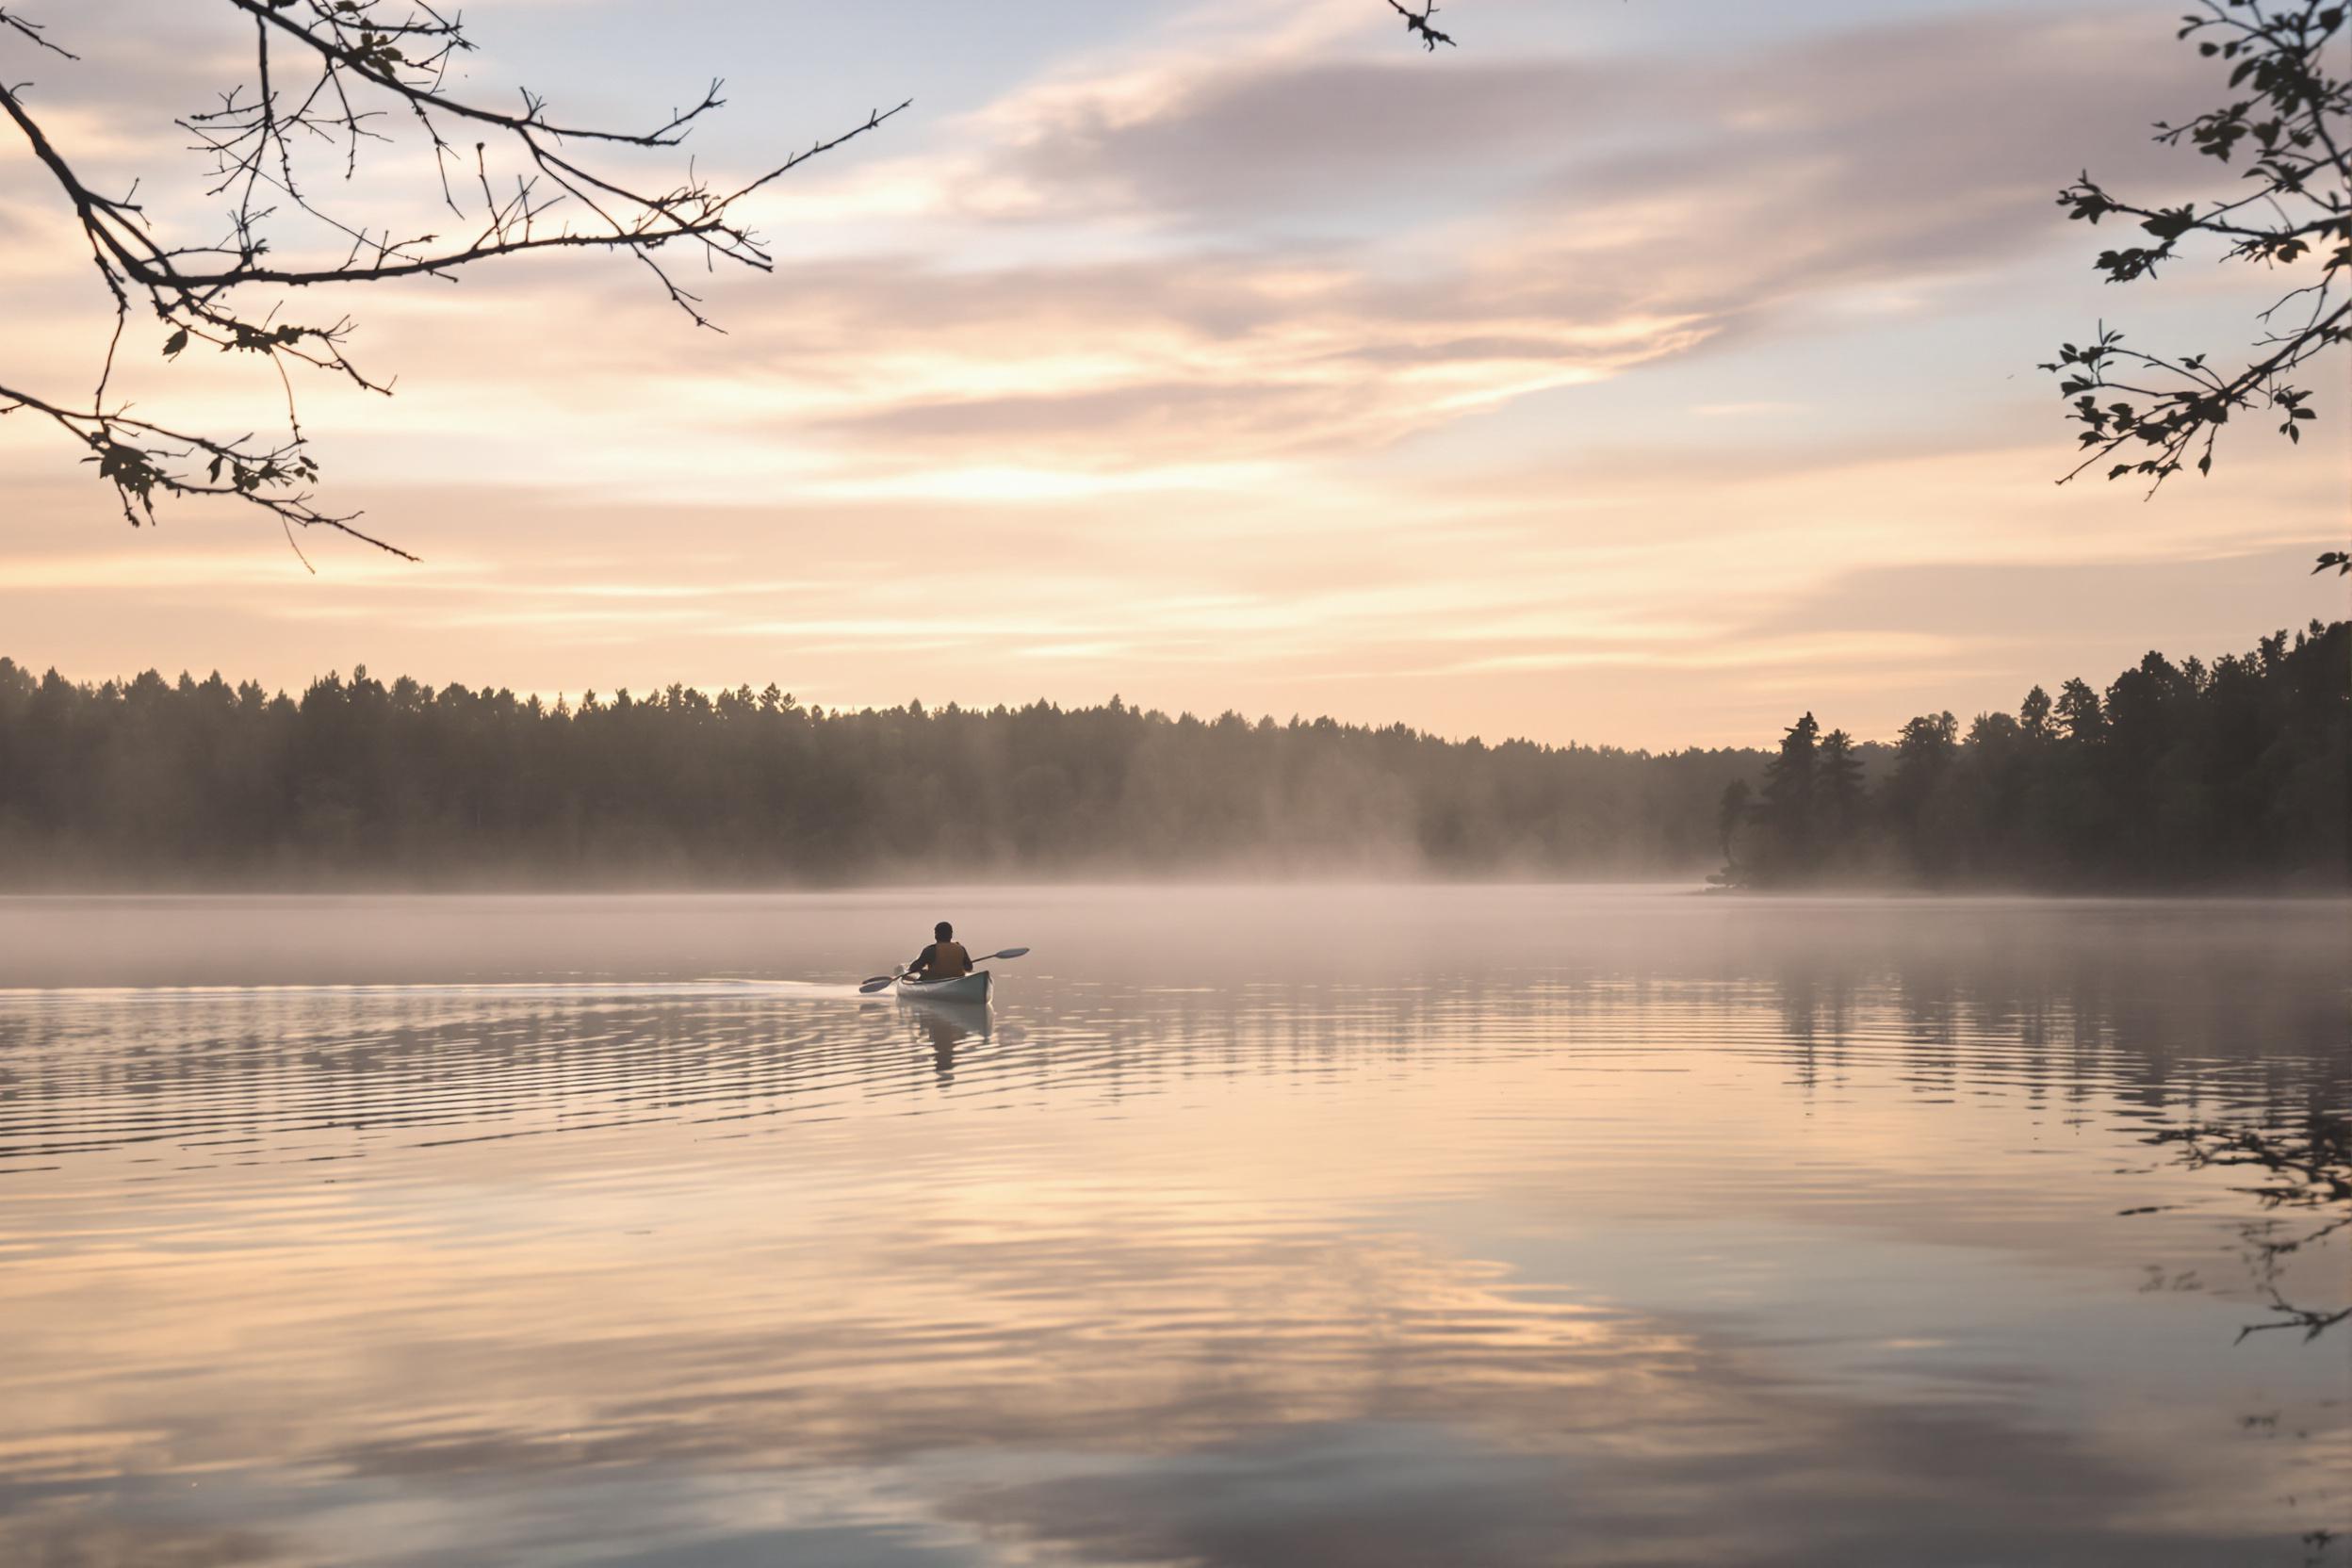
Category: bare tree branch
[358,68]
[32,30]
[1418,25]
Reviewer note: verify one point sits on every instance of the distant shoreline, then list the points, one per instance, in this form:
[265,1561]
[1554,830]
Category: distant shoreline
[1665,887]
[2195,778]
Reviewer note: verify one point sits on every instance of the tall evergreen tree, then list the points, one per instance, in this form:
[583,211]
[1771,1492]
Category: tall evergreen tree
[2078,712]
[1788,850]
[1839,787]
[2034,714]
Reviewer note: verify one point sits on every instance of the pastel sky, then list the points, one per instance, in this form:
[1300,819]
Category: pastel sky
[1642,371]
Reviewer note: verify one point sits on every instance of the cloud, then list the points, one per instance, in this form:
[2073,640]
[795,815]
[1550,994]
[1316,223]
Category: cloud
[2013,100]
[2238,596]
[1302,136]
[1146,365]
[1627,212]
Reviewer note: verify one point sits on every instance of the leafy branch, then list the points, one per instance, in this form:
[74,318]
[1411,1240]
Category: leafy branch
[2149,415]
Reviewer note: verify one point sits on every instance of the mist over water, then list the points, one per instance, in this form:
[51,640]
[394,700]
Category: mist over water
[1360,1225]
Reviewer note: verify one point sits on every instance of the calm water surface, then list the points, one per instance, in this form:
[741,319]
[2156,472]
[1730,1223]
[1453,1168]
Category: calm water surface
[1352,1226]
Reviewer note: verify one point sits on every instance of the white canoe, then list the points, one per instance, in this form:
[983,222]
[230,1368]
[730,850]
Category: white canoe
[963,987]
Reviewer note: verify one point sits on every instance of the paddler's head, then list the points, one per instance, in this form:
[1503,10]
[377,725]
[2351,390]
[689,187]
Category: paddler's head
[943,931]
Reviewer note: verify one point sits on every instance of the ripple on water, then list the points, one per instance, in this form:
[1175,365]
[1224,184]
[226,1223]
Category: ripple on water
[1506,1225]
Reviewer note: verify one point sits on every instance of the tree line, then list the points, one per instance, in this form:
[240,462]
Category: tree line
[2173,776]
[155,782]
[2176,775]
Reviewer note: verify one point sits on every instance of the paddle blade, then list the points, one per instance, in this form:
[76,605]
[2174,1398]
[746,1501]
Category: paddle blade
[1008,953]
[876,984]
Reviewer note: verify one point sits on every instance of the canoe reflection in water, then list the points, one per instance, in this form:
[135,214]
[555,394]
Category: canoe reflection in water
[945,1024]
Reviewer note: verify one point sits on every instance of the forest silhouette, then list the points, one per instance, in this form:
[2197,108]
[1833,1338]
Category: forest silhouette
[2177,775]
[2183,775]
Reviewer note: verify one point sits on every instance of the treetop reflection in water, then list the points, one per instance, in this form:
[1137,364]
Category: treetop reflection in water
[1360,1226]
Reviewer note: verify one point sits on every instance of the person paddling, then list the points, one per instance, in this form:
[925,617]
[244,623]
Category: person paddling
[944,959]
[944,970]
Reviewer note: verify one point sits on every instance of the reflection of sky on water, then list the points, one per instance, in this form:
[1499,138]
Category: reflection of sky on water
[1575,1228]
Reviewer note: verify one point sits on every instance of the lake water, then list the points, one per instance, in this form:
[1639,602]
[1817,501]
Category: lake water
[1362,1226]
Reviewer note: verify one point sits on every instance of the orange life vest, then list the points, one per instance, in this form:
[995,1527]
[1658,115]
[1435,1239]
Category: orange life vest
[948,961]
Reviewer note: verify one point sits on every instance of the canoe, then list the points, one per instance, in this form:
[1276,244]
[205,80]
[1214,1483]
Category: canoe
[963,987]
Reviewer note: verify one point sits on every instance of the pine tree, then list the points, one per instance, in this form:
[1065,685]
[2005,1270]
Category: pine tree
[1788,851]
[1840,791]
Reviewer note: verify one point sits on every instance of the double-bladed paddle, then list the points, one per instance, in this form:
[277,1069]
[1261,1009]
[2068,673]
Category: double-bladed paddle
[881,980]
